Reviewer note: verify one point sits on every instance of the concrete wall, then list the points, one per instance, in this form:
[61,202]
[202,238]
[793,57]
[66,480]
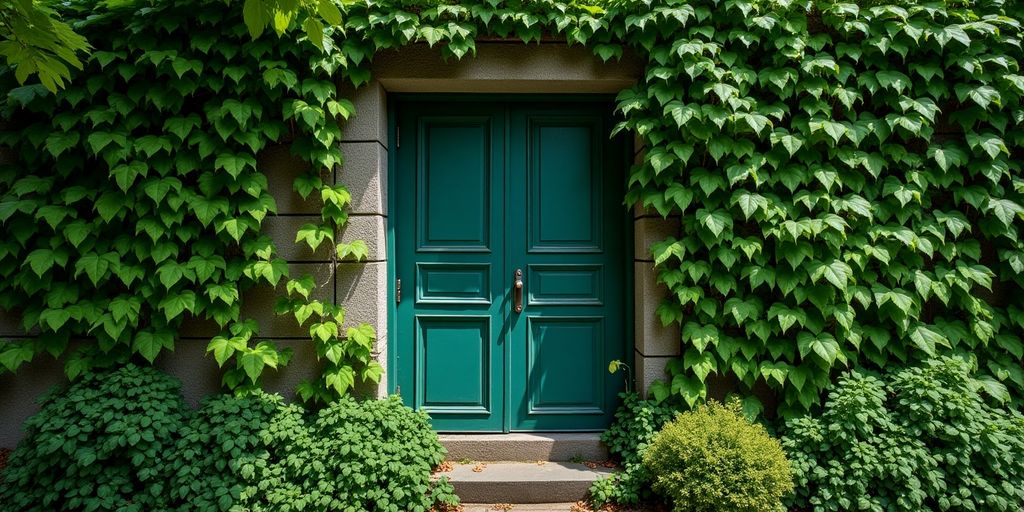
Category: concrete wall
[362,287]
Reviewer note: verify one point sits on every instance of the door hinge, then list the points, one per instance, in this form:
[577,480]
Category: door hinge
[398,291]
[398,137]
[398,389]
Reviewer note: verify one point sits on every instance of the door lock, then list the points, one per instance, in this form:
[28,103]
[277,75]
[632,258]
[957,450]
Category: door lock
[517,292]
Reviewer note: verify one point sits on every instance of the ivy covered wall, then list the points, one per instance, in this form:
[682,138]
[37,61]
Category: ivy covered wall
[847,180]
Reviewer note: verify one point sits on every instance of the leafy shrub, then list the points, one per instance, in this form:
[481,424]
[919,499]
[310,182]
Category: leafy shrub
[221,451]
[125,440]
[636,423]
[374,455]
[713,458]
[925,439]
[101,444]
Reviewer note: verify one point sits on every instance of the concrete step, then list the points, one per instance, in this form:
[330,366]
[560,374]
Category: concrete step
[538,507]
[520,507]
[523,482]
[560,447]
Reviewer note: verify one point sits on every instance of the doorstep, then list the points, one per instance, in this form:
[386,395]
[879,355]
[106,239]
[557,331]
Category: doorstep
[525,447]
[523,482]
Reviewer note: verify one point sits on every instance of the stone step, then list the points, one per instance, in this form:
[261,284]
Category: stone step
[523,482]
[520,507]
[557,447]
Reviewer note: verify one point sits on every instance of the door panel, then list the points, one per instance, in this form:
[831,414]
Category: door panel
[485,189]
[564,365]
[564,205]
[449,250]
[454,385]
[455,155]
[564,189]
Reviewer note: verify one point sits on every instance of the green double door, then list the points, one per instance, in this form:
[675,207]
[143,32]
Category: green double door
[509,248]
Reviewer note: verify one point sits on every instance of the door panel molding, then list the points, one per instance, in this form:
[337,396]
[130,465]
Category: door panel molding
[438,210]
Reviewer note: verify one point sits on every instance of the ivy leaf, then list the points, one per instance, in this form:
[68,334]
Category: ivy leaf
[927,339]
[149,344]
[836,272]
[314,235]
[1005,210]
[372,372]
[59,142]
[234,164]
[356,250]
[680,195]
[774,371]
[681,112]
[340,379]
[993,388]
[947,156]
[174,304]
[700,363]
[787,317]
[792,143]
[252,363]
[14,355]
[692,390]
[983,95]
[991,144]
[749,203]
[824,345]
[715,221]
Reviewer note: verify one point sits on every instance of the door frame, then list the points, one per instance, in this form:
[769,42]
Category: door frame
[393,99]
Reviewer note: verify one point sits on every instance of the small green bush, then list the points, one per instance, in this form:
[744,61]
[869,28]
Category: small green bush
[125,441]
[636,423]
[222,452]
[922,439]
[372,455]
[714,459]
[101,444]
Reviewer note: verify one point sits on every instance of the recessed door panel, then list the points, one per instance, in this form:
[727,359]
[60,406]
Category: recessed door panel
[566,285]
[564,366]
[564,174]
[453,283]
[455,364]
[454,181]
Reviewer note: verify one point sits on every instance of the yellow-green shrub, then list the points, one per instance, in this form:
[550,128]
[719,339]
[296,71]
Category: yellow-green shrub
[713,459]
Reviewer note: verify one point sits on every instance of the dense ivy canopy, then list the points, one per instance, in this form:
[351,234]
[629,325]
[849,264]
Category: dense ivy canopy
[847,178]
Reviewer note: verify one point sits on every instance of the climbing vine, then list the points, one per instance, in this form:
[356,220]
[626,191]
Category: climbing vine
[846,177]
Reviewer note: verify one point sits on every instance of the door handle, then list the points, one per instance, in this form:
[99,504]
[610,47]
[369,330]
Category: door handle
[517,292]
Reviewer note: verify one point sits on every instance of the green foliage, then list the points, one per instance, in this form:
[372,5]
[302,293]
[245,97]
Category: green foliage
[924,438]
[102,444]
[849,185]
[713,458]
[847,178]
[124,440]
[34,41]
[221,452]
[160,135]
[373,455]
[636,422]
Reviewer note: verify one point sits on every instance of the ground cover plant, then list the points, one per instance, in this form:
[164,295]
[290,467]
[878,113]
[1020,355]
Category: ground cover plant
[924,438]
[103,444]
[715,459]
[631,432]
[124,440]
